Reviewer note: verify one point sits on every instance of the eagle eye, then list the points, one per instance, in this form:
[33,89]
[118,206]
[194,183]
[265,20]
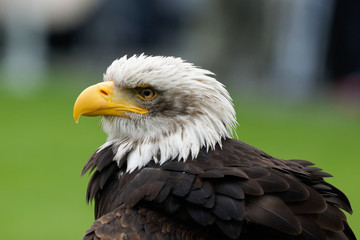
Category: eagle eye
[146,93]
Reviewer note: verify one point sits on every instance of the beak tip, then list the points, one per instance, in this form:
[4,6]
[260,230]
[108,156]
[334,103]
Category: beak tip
[76,118]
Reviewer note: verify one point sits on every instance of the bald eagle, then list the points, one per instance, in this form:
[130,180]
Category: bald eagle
[170,169]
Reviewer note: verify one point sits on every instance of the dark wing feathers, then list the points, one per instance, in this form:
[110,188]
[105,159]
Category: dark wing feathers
[315,203]
[232,229]
[228,208]
[237,192]
[331,219]
[297,191]
[200,195]
[234,171]
[256,171]
[200,215]
[230,189]
[213,173]
[99,160]
[340,199]
[310,229]
[272,212]
[337,235]
[273,183]
[171,205]
[182,167]
[252,187]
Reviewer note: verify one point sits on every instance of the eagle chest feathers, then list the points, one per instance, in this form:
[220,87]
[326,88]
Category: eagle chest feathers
[170,170]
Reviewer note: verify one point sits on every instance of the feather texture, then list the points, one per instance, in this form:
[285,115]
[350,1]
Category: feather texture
[215,198]
[271,211]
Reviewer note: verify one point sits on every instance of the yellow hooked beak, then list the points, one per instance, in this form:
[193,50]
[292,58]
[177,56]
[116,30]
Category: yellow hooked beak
[99,99]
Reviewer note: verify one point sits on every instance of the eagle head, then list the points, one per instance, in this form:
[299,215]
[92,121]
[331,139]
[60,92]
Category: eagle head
[158,108]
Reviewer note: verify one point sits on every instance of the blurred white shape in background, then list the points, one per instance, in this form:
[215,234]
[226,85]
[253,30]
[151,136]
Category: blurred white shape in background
[301,30]
[25,26]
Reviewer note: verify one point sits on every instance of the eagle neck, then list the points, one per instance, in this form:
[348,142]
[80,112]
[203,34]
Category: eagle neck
[183,143]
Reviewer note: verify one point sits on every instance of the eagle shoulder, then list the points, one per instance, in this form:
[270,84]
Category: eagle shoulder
[234,191]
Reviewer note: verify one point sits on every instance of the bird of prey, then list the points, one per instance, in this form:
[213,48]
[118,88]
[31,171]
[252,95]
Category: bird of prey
[171,170]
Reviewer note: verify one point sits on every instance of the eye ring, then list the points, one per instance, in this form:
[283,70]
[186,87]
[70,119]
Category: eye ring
[146,93]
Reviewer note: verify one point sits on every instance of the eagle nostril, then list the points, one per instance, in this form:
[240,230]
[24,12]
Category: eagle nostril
[104,92]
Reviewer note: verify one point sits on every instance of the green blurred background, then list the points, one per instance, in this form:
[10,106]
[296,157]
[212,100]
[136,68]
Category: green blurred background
[292,67]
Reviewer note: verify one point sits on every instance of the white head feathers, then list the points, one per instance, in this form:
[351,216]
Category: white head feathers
[192,110]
